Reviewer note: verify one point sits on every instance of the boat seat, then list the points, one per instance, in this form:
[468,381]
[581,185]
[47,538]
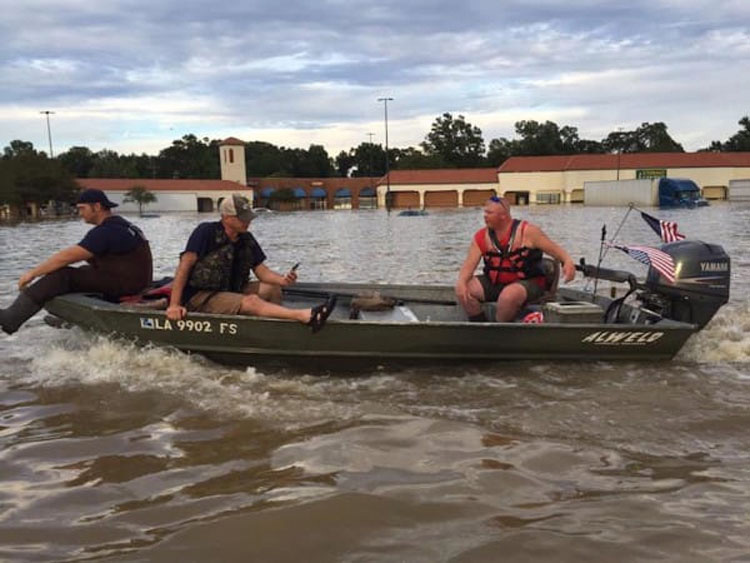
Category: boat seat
[551,269]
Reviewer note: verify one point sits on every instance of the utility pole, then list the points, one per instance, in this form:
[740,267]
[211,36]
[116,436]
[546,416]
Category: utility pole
[369,150]
[49,131]
[387,159]
[619,150]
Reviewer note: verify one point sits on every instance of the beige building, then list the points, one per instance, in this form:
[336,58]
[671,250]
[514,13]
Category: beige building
[232,159]
[171,195]
[559,179]
[445,187]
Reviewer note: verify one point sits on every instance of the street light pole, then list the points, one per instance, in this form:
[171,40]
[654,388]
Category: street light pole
[387,160]
[49,131]
[619,150]
[369,164]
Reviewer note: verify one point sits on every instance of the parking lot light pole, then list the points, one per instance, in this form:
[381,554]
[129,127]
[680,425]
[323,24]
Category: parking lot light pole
[49,131]
[387,160]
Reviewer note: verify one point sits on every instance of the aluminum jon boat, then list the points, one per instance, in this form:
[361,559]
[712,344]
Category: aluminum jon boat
[425,324]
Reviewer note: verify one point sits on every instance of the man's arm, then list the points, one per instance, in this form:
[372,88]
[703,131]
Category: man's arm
[266,275]
[467,270]
[59,260]
[539,240]
[176,311]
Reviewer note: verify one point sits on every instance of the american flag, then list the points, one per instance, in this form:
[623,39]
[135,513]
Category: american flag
[667,230]
[658,260]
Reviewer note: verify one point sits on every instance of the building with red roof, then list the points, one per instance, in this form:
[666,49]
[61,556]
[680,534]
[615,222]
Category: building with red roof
[561,178]
[442,187]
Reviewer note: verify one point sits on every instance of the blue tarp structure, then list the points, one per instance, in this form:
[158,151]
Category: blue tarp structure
[367,192]
[299,193]
[266,192]
[318,192]
[343,192]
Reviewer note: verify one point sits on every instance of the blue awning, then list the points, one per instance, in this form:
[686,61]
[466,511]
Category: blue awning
[318,192]
[367,192]
[343,192]
[299,193]
[266,192]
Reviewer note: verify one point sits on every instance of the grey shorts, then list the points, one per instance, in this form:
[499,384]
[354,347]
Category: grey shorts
[492,290]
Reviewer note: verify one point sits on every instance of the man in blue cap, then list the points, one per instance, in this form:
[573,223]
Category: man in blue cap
[119,260]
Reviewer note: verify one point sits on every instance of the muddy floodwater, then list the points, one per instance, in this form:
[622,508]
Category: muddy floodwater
[118,453]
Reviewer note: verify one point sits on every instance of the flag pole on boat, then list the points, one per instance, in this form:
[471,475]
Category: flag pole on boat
[599,262]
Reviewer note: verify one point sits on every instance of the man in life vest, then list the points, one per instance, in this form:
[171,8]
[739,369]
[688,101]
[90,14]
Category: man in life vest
[512,253]
[119,260]
[213,273]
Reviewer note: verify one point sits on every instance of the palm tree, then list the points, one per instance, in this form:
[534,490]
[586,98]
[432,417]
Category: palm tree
[139,195]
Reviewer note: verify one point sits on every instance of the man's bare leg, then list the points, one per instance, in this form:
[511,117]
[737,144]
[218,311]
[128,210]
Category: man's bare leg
[511,299]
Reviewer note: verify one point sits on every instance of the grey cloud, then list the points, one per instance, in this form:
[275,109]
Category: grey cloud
[263,63]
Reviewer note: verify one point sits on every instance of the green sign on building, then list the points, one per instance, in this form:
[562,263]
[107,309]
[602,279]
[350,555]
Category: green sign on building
[649,173]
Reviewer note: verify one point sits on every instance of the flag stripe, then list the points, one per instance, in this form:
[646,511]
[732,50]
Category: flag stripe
[653,257]
[667,230]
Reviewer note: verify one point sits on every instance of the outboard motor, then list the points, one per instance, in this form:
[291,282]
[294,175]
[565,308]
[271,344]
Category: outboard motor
[701,286]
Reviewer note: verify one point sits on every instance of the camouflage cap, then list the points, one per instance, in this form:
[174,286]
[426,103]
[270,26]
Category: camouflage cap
[237,205]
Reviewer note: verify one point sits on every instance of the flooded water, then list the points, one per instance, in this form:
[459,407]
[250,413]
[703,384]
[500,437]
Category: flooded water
[112,452]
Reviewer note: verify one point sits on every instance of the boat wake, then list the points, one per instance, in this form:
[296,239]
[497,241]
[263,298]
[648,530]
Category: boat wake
[726,339]
[223,392]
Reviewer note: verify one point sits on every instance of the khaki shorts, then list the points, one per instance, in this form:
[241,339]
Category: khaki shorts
[216,302]
[492,290]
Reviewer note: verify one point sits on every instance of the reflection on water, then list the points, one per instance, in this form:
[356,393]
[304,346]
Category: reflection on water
[112,451]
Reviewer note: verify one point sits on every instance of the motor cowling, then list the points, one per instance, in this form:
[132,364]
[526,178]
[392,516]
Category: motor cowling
[702,281]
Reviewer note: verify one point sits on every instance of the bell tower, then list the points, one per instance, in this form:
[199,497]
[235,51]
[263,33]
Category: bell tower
[232,159]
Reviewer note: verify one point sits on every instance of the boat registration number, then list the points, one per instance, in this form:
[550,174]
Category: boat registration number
[188,325]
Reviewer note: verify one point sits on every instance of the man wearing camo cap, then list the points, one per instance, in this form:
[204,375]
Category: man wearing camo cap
[214,269]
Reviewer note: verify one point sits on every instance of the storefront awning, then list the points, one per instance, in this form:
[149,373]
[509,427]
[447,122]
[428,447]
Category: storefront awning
[299,193]
[266,192]
[367,192]
[318,192]
[343,192]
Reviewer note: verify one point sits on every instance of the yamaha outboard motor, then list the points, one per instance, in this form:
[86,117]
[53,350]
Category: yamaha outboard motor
[701,286]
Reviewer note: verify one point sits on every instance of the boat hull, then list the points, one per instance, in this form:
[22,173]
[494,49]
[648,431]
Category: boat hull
[245,340]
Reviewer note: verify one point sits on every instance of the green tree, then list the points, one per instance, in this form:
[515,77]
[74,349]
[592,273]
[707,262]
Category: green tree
[18,148]
[455,142]
[740,141]
[28,176]
[140,195]
[412,158]
[263,159]
[649,137]
[78,161]
[108,164]
[345,162]
[190,157]
[369,159]
[499,151]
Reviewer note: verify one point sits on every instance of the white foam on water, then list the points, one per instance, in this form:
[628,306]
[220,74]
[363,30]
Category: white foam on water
[224,392]
[726,339]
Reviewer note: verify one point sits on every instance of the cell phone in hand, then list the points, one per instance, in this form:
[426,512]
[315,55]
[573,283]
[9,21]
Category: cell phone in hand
[294,268]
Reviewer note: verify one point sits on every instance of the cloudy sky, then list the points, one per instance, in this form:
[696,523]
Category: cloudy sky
[133,75]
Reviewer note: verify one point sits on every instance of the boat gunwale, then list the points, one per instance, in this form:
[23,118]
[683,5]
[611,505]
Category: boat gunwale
[97,304]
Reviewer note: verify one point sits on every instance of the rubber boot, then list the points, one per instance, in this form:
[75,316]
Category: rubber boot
[21,310]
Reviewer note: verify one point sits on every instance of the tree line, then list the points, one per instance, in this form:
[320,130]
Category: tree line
[28,175]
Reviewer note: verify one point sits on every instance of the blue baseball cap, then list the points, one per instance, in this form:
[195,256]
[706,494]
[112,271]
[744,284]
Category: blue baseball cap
[92,195]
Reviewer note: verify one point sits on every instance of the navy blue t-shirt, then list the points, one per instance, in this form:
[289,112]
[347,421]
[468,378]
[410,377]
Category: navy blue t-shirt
[203,241]
[114,235]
